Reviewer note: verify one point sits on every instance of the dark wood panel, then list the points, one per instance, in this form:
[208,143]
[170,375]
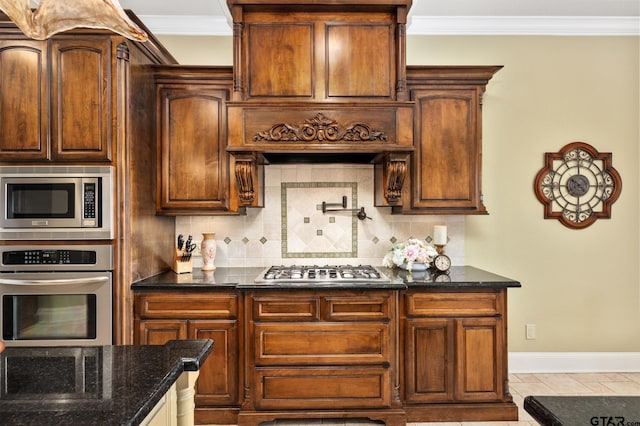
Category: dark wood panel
[293,308]
[186,305]
[218,380]
[479,355]
[159,332]
[454,304]
[333,388]
[81,127]
[321,344]
[359,60]
[23,100]
[354,308]
[429,370]
[280,62]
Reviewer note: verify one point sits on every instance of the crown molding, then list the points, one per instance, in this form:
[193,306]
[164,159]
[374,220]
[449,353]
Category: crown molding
[190,25]
[525,25]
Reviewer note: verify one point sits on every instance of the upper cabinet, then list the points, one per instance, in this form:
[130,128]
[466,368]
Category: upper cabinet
[23,100]
[193,165]
[308,50]
[446,169]
[319,53]
[56,99]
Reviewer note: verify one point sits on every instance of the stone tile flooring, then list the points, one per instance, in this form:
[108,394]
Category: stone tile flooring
[520,386]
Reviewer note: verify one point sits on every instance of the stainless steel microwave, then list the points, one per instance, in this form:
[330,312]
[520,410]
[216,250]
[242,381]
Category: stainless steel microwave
[56,202]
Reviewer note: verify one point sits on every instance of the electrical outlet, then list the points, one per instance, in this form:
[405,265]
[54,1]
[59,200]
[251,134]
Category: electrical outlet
[530,331]
[196,251]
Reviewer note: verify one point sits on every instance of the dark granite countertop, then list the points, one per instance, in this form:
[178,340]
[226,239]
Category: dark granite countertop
[584,410]
[243,278]
[91,385]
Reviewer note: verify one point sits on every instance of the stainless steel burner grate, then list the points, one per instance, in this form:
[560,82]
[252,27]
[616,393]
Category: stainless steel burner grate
[322,274]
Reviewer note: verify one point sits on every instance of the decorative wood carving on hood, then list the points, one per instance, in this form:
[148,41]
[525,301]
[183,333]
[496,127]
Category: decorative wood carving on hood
[320,129]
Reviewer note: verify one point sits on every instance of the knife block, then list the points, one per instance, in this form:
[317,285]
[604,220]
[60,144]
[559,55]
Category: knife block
[182,266]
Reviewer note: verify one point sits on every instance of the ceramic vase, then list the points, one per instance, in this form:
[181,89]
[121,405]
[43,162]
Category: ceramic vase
[415,267]
[208,251]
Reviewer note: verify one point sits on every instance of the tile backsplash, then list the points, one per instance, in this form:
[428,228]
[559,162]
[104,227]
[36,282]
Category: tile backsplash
[292,228]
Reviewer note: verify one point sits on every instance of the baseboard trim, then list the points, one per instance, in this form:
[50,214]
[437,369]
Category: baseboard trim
[573,362]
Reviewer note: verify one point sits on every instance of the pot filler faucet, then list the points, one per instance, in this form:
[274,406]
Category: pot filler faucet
[342,207]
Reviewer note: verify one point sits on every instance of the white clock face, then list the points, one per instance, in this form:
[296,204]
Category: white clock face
[442,263]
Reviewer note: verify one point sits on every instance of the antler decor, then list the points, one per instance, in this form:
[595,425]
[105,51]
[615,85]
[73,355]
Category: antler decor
[54,16]
[578,185]
[320,129]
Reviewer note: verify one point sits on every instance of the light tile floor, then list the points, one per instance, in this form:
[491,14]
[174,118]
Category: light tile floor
[522,385]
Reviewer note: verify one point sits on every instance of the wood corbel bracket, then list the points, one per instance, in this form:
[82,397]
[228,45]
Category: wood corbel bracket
[244,167]
[395,169]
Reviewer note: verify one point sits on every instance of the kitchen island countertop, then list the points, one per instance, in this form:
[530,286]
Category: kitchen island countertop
[92,385]
[243,278]
[584,410]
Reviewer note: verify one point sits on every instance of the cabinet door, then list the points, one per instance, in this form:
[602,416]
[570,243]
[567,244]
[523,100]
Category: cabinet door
[23,100]
[193,175]
[446,169]
[429,360]
[159,332]
[218,380]
[81,102]
[479,356]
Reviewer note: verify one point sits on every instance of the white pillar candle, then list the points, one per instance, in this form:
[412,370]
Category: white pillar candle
[440,235]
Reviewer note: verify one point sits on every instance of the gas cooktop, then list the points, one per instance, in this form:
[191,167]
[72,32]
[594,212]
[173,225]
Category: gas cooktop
[322,274]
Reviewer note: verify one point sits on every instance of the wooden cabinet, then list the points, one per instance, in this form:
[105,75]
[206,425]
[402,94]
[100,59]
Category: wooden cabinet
[164,316]
[316,354]
[446,170]
[193,165]
[57,98]
[319,52]
[23,100]
[397,356]
[455,352]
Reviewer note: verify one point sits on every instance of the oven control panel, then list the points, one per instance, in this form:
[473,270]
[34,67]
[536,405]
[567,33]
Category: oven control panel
[49,257]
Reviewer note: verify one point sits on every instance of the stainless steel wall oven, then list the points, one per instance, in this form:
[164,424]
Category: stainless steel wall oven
[56,295]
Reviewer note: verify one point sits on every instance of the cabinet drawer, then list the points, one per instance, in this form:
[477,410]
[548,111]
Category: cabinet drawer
[295,308]
[453,304]
[187,306]
[354,308]
[316,388]
[321,344]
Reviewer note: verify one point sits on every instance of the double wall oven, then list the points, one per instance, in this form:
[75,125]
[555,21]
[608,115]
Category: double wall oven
[56,255]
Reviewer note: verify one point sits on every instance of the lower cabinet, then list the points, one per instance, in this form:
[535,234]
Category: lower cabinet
[321,355]
[454,354]
[417,355]
[161,316]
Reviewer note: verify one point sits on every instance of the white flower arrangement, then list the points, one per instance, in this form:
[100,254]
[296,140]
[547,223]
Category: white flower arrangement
[409,252]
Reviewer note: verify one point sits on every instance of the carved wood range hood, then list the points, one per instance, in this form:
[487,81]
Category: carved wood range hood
[319,81]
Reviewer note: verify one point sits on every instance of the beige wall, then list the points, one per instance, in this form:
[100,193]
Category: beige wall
[580,287]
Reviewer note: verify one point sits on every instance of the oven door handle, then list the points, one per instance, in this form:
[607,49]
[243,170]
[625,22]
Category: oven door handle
[64,281]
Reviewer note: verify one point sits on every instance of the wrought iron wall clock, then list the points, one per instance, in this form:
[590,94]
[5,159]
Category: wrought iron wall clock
[577,185]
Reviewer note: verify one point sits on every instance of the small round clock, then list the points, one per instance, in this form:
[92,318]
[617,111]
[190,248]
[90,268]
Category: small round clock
[442,263]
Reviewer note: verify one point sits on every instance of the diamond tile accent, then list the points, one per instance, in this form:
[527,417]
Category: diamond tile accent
[245,240]
[227,240]
[375,240]
[330,236]
[263,240]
